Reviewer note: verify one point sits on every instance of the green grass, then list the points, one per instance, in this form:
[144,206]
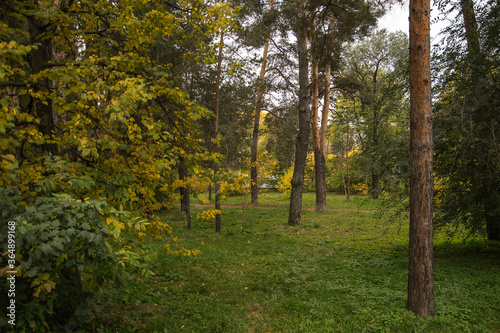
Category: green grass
[341,271]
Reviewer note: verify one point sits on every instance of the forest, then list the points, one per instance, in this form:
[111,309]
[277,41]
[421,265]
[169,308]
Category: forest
[249,166]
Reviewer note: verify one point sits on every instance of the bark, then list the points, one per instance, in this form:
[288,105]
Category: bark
[421,259]
[319,158]
[218,225]
[39,58]
[294,217]
[470,23]
[183,189]
[254,185]
[347,163]
[375,185]
[188,208]
[320,155]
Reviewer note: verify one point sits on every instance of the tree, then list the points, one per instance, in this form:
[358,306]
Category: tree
[332,25]
[254,185]
[295,210]
[90,112]
[421,265]
[467,149]
[375,73]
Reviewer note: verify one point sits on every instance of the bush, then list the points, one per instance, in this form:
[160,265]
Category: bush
[58,241]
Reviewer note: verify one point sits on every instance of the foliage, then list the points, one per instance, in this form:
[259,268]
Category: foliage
[58,241]
[467,159]
[374,108]
[90,113]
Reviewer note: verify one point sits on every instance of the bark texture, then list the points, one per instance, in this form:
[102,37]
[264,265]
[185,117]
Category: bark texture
[254,186]
[39,60]
[295,216]
[421,263]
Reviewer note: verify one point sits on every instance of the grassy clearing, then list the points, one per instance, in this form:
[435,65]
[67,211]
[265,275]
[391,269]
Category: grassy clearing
[342,271]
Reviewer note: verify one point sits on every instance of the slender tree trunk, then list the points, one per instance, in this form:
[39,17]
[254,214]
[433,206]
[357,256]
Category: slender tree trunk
[421,263]
[470,22]
[188,208]
[347,163]
[320,152]
[182,177]
[375,190]
[254,185]
[319,158]
[218,226]
[294,214]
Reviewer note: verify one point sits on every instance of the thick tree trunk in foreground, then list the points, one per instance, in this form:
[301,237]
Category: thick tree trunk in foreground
[294,213]
[421,263]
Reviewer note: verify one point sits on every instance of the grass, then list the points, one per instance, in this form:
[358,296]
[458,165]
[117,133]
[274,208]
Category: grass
[341,271]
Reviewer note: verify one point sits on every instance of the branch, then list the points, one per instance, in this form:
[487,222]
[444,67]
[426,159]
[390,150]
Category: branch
[280,72]
[12,84]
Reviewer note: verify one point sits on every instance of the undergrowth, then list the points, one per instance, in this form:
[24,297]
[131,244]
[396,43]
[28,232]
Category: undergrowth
[343,270]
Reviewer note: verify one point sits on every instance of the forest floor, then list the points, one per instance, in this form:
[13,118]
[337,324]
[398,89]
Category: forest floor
[343,270]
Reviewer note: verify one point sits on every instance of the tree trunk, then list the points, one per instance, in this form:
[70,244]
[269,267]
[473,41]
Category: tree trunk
[470,23]
[421,263]
[347,163]
[294,214]
[218,225]
[188,208]
[39,59]
[254,185]
[492,221]
[319,159]
[320,153]
[183,189]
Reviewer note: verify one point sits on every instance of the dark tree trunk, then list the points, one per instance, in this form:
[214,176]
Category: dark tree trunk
[188,209]
[294,214]
[183,191]
[39,59]
[470,23]
[493,225]
[421,263]
[320,174]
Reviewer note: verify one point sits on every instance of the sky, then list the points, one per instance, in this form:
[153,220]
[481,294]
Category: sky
[397,19]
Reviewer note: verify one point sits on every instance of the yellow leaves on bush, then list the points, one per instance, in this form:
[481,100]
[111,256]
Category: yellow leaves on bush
[42,284]
[208,214]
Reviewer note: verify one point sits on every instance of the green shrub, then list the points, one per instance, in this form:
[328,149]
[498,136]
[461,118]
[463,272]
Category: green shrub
[58,242]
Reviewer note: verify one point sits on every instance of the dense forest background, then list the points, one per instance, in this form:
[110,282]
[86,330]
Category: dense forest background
[114,111]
